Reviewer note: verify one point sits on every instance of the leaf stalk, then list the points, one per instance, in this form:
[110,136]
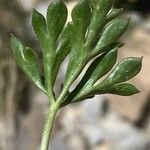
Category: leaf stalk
[46,136]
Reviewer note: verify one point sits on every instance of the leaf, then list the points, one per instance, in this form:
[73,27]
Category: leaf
[101,4]
[63,49]
[124,89]
[56,19]
[27,61]
[81,16]
[100,11]
[115,45]
[98,68]
[39,25]
[111,33]
[63,38]
[124,71]
[94,33]
[114,13]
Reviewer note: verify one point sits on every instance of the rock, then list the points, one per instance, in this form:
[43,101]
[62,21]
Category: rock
[104,146]
[123,135]
[84,126]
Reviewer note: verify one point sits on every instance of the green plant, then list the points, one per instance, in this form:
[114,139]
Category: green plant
[92,37]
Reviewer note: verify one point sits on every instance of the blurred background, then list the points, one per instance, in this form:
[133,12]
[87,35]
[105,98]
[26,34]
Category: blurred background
[106,122]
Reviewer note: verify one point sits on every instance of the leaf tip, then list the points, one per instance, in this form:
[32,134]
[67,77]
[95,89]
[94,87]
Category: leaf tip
[136,91]
[13,40]
[12,36]
[128,20]
[120,44]
[140,59]
[35,13]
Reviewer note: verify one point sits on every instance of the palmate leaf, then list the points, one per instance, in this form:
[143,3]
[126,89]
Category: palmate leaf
[93,34]
[27,61]
[93,38]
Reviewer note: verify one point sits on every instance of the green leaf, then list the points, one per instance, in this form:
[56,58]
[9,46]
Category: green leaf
[116,45]
[98,68]
[114,13]
[124,71]
[101,4]
[124,89]
[63,49]
[63,38]
[100,11]
[39,25]
[111,34]
[27,61]
[93,34]
[81,16]
[56,19]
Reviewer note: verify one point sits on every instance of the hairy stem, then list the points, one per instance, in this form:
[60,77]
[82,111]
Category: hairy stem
[48,126]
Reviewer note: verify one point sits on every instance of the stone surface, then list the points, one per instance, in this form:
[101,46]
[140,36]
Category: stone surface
[104,132]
